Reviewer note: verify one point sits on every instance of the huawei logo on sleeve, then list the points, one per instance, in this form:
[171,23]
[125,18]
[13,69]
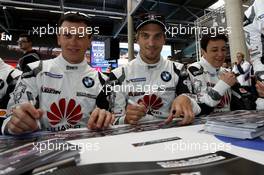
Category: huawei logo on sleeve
[66,113]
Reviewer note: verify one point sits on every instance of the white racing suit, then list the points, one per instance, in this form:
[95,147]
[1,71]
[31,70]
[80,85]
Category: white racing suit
[65,92]
[243,70]
[211,93]
[254,32]
[153,85]
[8,79]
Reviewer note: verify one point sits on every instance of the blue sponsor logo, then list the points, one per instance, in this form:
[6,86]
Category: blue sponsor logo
[52,75]
[88,82]
[165,76]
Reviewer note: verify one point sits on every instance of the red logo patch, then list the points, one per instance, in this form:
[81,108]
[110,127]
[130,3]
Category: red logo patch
[65,113]
[151,102]
[225,100]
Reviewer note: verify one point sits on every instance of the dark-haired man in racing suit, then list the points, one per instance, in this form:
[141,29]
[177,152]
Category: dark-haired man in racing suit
[211,85]
[149,85]
[60,93]
[154,86]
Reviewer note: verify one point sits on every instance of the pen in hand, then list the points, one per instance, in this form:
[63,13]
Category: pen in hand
[162,114]
[132,102]
[173,118]
[31,101]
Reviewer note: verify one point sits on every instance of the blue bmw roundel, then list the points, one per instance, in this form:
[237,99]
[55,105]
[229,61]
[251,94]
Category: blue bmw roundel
[165,76]
[88,82]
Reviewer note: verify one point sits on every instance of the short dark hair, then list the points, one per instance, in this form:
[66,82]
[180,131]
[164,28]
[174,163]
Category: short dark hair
[212,37]
[24,35]
[73,16]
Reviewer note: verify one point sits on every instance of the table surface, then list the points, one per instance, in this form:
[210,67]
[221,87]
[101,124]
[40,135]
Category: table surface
[193,142]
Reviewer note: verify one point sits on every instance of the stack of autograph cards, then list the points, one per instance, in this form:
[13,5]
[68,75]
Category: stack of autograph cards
[237,124]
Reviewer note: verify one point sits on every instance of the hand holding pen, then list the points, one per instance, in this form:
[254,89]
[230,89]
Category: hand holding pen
[181,108]
[24,119]
[171,116]
[134,112]
[31,101]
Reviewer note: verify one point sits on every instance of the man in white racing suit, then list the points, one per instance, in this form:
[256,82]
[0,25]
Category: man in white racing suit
[8,79]
[148,85]
[211,85]
[254,33]
[61,92]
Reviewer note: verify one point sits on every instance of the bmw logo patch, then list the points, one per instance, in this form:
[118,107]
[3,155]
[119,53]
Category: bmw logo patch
[88,82]
[165,76]
[2,83]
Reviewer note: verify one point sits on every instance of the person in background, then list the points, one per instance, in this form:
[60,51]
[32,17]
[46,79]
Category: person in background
[60,93]
[242,70]
[29,55]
